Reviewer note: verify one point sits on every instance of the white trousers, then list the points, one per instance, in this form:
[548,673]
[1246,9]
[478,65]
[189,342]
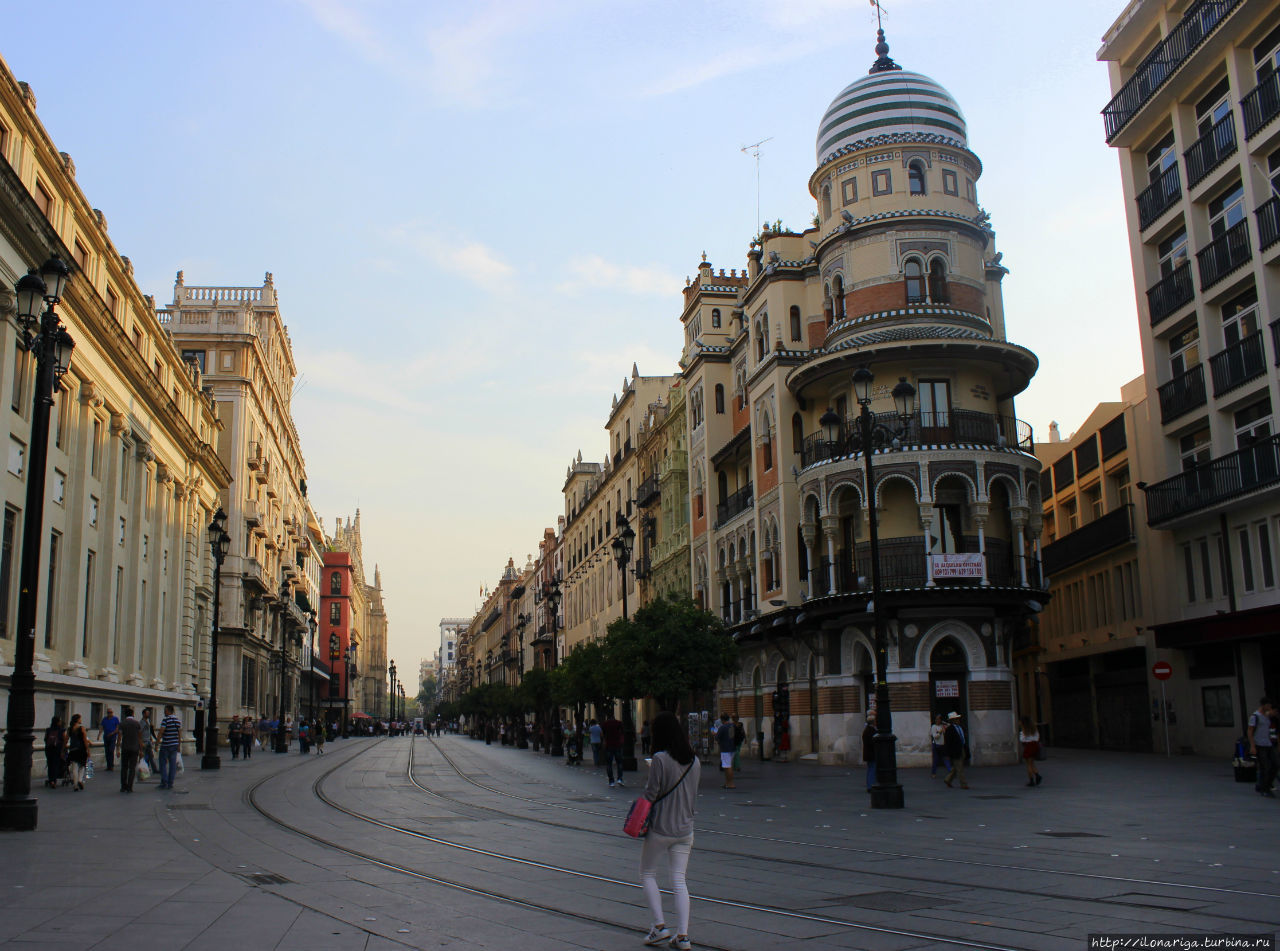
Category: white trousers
[677,850]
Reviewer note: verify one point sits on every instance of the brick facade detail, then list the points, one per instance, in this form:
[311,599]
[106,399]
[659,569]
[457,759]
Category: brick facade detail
[990,695]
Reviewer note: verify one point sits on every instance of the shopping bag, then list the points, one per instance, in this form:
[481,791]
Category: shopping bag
[88,769]
[144,771]
[179,762]
[637,823]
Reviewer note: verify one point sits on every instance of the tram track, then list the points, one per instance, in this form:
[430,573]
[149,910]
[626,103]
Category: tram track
[252,798]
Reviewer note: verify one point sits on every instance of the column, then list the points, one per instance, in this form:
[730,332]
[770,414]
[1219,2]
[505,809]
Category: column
[979,511]
[809,531]
[1018,518]
[926,524]
[830,527]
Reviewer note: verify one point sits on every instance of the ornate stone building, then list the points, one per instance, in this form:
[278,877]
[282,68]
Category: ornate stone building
[662,544]
[133,472]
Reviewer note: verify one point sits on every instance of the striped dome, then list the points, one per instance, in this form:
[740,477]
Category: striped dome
[888,102]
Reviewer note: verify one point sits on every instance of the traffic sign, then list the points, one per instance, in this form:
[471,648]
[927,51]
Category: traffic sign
[1162,670]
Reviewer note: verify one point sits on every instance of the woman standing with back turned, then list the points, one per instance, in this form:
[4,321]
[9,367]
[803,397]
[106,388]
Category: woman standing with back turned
[673,779]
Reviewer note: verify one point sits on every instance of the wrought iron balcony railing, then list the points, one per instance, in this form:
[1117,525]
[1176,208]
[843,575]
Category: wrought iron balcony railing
[904,563]
[1182,394]
[735,504]
[954,427]
[1154,71]
[1100,535]
[1171,292]
[1261,105]
[1268,215]
[1163,192]
[1238,364]
[1211,150]
[1225,253]
[1254,467]
[648,490]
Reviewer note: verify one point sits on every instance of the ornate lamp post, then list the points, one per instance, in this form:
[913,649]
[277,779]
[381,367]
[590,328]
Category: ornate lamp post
[887,792]
[44,337]
[219,545]
[335,658]
[623,544]
[346,690]
[311,664]
[403,709]
[551,593]
[391,693]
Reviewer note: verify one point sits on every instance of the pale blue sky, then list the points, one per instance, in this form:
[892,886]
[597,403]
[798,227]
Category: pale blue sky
[480,215]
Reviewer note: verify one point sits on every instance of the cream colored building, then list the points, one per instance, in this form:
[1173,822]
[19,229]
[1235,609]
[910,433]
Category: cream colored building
[1194,120]
[662,544]
[133,476]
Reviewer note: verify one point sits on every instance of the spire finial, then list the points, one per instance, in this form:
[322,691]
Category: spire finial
[883,63]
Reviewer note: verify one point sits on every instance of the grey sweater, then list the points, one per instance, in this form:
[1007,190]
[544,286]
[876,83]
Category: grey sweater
[674,815]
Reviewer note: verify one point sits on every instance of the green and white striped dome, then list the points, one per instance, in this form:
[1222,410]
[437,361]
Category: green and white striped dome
[889,102]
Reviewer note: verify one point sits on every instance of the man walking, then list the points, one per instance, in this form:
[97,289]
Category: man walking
[869,749]
[170,740]
[130,748]
[1262,748]
[724,739]
[109,733]
[613,740]
[953,742]
[597,738]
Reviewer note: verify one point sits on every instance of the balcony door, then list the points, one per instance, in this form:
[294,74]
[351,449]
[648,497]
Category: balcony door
[1258,461]
[1226,211]
[935,411]
[1240,318]
[1184,351]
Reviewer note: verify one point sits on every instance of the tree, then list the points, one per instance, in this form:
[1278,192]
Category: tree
[427,695]
[667,650]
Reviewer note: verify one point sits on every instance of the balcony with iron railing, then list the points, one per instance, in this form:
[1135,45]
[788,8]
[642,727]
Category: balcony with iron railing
[1211,150]
[1158,197]
[674,461]
[1172,292]
[1275,340]
[1253,468]
[1268,215]
[734,505]
[648,490]
[1099,536]
[955,427]
[1182,394]
[1261,104]
[1199,22]
[671,543]
[904,563]
[1224,254]
[1238,364]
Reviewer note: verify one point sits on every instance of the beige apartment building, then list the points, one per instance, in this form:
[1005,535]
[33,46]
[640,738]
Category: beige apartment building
[1193,118]
[133,475]
[237,341]
[898,273]
[665,565]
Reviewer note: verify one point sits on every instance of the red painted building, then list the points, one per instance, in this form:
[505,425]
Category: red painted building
[339,631]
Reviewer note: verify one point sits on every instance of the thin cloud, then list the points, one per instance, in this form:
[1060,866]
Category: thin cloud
[473,260]
[593,272]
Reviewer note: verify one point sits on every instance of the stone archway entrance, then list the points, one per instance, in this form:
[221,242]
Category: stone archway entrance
[948,679]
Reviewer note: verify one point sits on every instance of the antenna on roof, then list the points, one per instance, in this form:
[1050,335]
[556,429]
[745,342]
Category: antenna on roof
[754,151]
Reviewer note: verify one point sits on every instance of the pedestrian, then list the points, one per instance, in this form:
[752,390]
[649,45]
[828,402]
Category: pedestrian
[613,739]
[148,740]
[130,748]
[304,737]
[55,741]
[233,737]
[646,738]
[724,740]
[109,733]
[1029,737]
[936,732]
[170,741]
[1262,747]
[673,789]
[954,742]
[248,736]
[597,740]
[319,734]
[739,740]
[78,747]
[869,748]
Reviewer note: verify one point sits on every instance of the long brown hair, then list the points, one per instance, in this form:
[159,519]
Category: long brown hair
[669,738]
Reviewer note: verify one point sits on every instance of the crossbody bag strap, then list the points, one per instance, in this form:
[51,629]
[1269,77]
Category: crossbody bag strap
[677,783]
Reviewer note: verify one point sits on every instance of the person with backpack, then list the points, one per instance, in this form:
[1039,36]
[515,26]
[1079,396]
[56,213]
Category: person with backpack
[672,787]
[1262,747]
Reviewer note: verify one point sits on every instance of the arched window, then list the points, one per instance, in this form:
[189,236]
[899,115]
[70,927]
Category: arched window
[826,202]
[938,293]
[914,272]
[768,451]
[760,341]
[715,317]
[335,583]
[797,432]
[837,297]
[915,177]
[795,322]
[722,484]
[720,398]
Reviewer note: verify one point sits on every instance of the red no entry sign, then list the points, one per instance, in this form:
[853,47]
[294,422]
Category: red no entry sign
[1162,670]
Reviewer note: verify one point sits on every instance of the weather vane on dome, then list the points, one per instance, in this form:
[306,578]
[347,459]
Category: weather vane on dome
[883,63]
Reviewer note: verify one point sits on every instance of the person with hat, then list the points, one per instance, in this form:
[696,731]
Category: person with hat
[953,741]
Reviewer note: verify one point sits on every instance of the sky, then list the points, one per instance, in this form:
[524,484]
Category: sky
[480,215]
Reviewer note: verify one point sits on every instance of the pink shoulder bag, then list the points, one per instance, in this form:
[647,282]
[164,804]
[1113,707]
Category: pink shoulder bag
[637,824]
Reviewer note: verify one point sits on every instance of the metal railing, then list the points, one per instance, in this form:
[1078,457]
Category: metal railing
[1238,364]
[1224,254]
[648,490]
[1100,535]
[1275,340]
[1219,480]
[1211,150]
[735,504]
[1261,104]
[1161,63]
[1163,192]
[1171,292]
[1182,394]
[1268,215]
[954,427]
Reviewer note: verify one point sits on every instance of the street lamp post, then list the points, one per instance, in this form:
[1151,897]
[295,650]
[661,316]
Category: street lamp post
[551,592]
[887,792]
[346,691]
[282,743]
[44,337]
[623,544]
[219,545]
[311,664]
[391,695]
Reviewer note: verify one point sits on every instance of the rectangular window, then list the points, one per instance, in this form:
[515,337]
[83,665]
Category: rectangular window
[1246,559]
[950,184]
[1093,499]
[1194,449]
[95,716]
[1226,211]
[51,587]
[60,423]
[118,614]
[194,356]
[1087,456]
[1112,437]
[970,190]
[87,629]
[849,188]
[113,303]
[1189,568]
[124,472]
[1064,473]
[44,200]
[1070,515]
[95,449]
[1120,486]
[1240,317]
[335,612]
[1172,253]
[1216,703]
[1206,569]
[1213,108]
[1264,556]
[80,254]
[882,182]
[1161,156]
[20,362]
[6,566]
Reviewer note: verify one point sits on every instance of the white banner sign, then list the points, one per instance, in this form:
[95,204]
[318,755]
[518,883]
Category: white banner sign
[956,565]
[946,688]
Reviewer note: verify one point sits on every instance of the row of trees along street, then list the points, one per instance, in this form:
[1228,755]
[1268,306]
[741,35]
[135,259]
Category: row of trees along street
[669,650]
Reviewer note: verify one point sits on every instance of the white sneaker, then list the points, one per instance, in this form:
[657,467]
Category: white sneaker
[657,934]
[621,783]
[612,784]
[680,943]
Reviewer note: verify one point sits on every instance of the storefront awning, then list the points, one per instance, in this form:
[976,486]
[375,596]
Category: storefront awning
[1220,628]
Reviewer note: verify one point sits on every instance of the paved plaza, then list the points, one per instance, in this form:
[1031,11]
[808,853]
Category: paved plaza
[249,857]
